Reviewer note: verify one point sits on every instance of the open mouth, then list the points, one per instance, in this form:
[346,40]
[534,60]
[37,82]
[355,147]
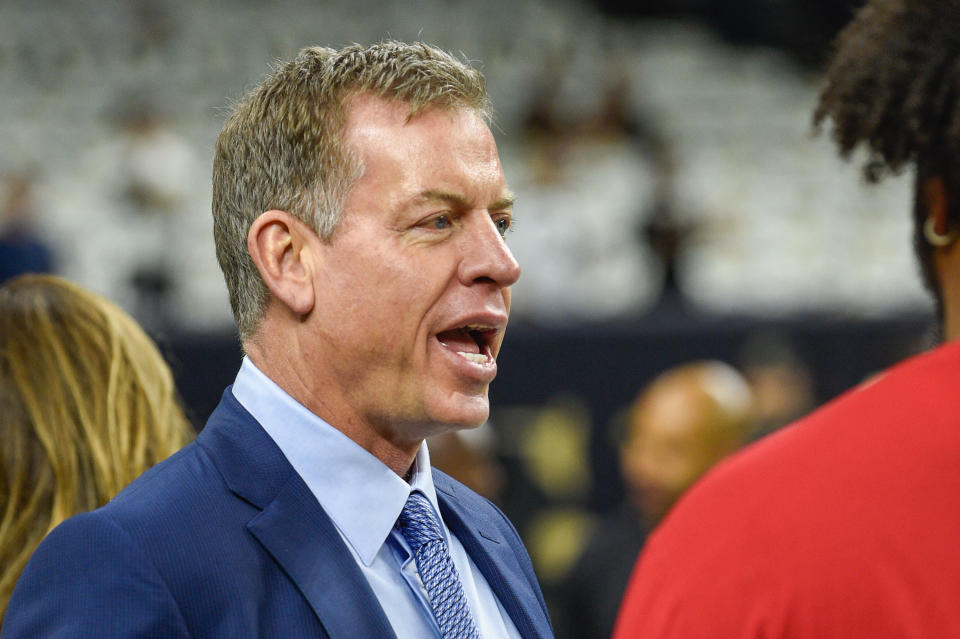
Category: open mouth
[470,342]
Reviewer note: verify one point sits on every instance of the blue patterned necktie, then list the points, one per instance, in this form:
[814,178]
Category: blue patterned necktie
[422,531]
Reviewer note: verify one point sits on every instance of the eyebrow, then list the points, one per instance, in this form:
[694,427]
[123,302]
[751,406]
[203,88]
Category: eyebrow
[505,202]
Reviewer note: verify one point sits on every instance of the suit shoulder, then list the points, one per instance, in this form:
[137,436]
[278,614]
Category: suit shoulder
[175,479]
[91,554]
[460,491]
[474,506]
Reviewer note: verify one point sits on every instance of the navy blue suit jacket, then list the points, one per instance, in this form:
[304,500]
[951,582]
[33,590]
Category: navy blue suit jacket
[224,539]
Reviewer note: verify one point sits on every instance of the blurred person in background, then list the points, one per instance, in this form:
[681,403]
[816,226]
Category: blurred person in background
[360,209]
[683,422]
[142,185]
[782,383]
[846,523]
[22,250]
[87,404]
[686,420]
[592,272]
[469,457]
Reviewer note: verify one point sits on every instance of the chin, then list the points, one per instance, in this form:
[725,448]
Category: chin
[467,412]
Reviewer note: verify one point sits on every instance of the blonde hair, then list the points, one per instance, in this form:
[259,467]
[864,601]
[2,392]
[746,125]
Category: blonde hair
[282,146]
[87,403]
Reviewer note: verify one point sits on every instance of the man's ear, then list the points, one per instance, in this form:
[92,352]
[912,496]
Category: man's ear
[278,245]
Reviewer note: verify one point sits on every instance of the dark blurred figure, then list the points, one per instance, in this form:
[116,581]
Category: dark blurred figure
[600,271]
[152,192]
[782,383]
[845,524]
[682,424]
[469,457]
[21,248]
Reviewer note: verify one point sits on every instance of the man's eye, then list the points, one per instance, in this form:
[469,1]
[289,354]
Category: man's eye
[503,225]
[440,222]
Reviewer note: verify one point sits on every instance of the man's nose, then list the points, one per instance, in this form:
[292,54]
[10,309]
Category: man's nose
[486,256]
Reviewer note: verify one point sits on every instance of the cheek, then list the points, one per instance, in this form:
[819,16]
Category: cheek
[663,468]
[686,474]
[361,304]
[397,306]
[370,284]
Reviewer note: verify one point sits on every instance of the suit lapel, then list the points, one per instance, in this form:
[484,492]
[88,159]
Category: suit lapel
[303,540]
[496,560]
[292,526]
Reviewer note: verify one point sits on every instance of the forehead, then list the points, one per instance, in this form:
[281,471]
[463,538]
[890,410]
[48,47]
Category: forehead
[674,411]
[371,122]
[438,148]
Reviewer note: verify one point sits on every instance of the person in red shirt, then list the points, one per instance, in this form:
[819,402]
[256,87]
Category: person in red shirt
[846,523]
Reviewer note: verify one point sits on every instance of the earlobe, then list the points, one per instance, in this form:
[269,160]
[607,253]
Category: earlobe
[277,242]
[936,228]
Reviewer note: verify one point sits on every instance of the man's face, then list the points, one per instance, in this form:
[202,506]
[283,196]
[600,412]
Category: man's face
[673,442]
[413,297]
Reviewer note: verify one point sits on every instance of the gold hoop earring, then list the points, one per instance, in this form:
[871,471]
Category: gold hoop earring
[938,239]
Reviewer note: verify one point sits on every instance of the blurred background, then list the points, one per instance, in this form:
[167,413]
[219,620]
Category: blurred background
[674,204]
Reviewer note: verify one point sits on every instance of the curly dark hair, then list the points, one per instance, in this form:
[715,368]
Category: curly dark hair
[893,84]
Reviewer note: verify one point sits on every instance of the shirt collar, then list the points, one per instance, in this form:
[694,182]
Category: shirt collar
[360,493]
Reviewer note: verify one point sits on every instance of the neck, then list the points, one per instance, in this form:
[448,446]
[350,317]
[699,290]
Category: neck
[951,326]
[303,383]
[947,261]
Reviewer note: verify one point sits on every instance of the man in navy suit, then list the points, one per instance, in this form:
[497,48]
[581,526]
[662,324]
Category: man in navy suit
[360,210]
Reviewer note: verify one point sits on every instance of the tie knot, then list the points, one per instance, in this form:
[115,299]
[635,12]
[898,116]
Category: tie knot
[418,523]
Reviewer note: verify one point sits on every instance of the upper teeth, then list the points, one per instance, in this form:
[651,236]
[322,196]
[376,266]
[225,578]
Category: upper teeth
[478,327]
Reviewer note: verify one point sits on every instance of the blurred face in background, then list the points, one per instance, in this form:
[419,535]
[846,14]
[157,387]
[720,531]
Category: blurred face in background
[677,431]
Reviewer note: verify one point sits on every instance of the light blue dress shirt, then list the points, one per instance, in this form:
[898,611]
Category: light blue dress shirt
[364,497]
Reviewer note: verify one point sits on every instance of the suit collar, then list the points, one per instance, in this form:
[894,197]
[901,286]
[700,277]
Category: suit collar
[303,540]
[339,472]
[292,526]
[495,557]
[249,461]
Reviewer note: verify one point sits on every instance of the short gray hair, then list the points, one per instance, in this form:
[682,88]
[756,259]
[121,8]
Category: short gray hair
[282,147]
